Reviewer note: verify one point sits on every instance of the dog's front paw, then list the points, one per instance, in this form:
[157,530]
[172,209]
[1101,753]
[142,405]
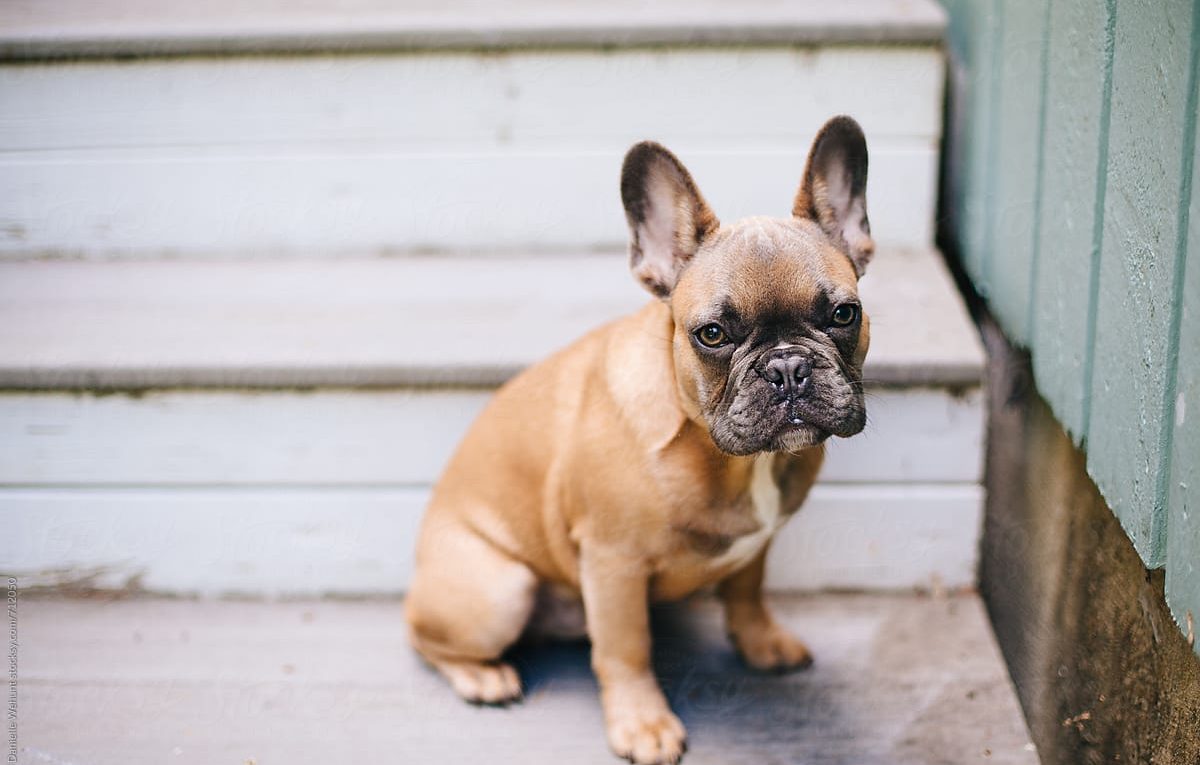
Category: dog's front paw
[645,733]
[771,648]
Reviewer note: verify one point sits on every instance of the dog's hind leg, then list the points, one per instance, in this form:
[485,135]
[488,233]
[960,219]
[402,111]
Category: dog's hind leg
[467,604]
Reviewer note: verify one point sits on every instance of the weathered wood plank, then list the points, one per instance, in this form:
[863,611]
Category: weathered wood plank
[1138,265]
[397,437]
[233,438]
[516,99]
[288,541]
[308,202]
[1015,162]
[1183,494]
[863,537]
[213,541]
[367,154]
[1075,151]
[391,322]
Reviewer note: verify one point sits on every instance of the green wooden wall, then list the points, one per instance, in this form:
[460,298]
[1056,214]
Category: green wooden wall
[1072,159]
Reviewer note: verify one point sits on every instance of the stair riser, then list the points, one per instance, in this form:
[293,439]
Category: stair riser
[275,493]
[329,156]
[918,435]
[280,542]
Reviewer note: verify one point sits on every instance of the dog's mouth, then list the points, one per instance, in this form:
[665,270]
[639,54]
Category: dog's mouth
[786,424]
[795,434]
[790,434]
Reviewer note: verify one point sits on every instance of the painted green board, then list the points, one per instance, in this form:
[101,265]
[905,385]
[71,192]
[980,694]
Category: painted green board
[1128,430]
[961,46]
[1074,166]
[1183,493]
[1015,159]
[975,39]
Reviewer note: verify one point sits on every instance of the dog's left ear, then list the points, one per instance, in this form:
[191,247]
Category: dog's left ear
[667,216]
[833,191]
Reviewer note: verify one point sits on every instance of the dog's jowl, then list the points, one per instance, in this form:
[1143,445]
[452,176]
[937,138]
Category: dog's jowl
[658,454]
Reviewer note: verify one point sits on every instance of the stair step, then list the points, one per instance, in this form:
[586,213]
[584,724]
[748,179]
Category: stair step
[77,28]
[440,151]
[233,481]
[316,540]
[385,437]
[897,679]
[390,322]
[204,248]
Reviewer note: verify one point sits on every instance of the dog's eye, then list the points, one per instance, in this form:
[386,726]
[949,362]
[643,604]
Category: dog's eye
[711,336]
[845,314]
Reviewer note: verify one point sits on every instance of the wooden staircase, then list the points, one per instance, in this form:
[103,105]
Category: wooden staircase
[260,265]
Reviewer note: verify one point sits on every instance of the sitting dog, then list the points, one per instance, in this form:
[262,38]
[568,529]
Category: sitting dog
[658,454]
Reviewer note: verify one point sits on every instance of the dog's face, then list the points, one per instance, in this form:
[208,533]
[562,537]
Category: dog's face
[770,337]
[769,334]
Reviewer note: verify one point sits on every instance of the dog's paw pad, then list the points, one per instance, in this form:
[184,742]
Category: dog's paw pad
[484,683]
[657,739]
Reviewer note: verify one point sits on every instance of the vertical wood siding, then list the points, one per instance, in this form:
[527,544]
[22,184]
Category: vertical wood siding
[1015,159]
[1075,159]
[1072,207]
[1183,498]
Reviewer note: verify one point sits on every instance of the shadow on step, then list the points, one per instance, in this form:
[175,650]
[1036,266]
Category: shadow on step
[727,706]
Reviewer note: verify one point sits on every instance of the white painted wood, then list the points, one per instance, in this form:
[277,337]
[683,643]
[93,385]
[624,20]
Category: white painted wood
[305,202]
[77,28]
[392,322]
[913,435]
[344,438]
[354,540]
[214,541]
[362,155]
[524,100]
[855,536]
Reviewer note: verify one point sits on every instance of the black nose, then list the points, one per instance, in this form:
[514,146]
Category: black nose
[789,374]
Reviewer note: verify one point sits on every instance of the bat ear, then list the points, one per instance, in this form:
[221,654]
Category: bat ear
[833,191]
[668,219]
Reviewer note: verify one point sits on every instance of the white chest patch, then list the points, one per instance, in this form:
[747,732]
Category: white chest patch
[765,497]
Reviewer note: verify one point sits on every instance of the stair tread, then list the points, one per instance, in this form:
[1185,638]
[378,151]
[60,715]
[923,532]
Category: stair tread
[75,28]
[472,321]
[898,678]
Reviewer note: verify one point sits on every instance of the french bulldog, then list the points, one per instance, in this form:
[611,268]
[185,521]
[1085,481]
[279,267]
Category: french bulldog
[658,454]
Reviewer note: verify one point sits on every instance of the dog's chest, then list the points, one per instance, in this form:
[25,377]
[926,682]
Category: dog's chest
[766,502]
[725,538]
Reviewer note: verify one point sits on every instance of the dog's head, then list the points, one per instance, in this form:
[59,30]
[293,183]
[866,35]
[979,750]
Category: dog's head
[769,335]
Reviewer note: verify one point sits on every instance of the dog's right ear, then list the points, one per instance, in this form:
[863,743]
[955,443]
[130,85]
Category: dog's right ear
[833,191]
[667,216]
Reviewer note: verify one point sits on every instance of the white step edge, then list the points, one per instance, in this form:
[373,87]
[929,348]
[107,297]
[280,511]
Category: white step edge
[391,322]
[217,541]
[81,28]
